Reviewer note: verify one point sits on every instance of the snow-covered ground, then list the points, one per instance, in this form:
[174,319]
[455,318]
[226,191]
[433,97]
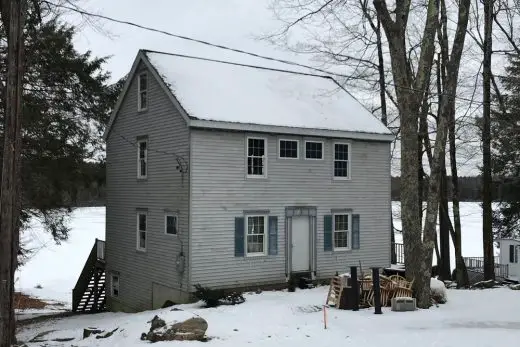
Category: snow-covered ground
[470,318]
[475,318]
[55,268]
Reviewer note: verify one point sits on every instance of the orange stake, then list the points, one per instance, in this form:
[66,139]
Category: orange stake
[325,316]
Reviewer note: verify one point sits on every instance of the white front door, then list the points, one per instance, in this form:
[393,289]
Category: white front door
[300,244]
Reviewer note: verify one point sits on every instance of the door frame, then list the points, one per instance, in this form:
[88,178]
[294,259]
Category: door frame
[301,211]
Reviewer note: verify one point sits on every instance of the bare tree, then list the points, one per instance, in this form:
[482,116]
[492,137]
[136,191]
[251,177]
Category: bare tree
[487,210]
[410,89]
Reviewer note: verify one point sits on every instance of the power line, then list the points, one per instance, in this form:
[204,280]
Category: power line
[183,163]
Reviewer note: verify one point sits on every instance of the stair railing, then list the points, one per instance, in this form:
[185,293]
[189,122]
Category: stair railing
[86,274]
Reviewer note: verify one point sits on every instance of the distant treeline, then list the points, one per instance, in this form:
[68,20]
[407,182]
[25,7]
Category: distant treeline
[470,189]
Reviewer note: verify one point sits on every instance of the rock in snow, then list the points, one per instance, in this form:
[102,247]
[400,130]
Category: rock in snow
[192,329]
[438,291]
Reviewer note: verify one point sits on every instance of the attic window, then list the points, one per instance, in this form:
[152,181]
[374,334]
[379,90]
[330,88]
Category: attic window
[313,150]
[142,97]
[288,149]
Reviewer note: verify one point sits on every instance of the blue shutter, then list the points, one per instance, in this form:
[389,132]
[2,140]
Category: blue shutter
[327,233]
[273,235]
[239,237]
[355,231]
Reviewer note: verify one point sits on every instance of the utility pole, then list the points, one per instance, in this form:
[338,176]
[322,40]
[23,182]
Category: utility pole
[12,14]
[487,212]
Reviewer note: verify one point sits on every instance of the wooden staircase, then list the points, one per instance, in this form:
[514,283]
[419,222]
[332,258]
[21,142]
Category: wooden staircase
[89,294]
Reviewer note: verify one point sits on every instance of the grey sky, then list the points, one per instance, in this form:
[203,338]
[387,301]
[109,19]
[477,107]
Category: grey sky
[229,22]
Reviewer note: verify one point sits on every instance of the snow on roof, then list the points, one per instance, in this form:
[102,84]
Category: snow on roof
[217,91]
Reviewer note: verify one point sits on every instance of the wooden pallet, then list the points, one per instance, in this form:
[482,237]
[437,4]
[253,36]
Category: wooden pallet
[335,290]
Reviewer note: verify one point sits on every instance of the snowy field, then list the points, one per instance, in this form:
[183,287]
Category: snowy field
[55,268]
[477,318]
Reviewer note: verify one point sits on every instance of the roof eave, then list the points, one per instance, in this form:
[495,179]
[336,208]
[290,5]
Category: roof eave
[209,124]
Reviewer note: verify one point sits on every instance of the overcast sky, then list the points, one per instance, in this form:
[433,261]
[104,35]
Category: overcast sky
[235,23]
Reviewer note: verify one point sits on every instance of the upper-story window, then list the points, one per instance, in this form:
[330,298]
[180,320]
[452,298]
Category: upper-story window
[256,157]
[313,150]
[142,95]
[341,160]
[142,159]
[288,149]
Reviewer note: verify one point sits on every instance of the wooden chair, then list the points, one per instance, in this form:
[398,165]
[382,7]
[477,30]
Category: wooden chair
[403,288]
[335,290]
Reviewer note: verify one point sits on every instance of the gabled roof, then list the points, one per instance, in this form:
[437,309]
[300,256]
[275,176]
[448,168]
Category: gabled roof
[235,96]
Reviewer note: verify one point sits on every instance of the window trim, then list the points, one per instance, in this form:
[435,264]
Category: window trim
[297,149]
[349,232]
[140,91]
[176,224]
[349,161]
[139,231]
[322,150]
[139,176]
[265,157]
[266,234]
[112,275]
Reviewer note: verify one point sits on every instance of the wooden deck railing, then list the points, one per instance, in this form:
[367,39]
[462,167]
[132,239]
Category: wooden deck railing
[95,258]
[399,254]
[477,264]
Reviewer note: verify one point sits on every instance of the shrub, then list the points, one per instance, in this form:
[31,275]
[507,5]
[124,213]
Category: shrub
[438,291]
[217,297]
[291,284]
[211,297]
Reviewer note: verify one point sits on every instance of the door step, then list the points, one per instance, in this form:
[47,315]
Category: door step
[303,280]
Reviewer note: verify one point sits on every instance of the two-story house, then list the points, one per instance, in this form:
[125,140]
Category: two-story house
[234,176]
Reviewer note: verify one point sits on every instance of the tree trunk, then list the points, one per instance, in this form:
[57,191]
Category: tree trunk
[487,212]
[462,272]
[12,14]
[384,119]
[410,91]
[444,227]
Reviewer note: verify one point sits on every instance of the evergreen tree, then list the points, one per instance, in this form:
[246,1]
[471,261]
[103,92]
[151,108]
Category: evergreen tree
[67,103]
[506,153]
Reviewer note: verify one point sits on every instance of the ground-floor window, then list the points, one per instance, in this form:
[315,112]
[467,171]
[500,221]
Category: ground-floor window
[256,242]
[341,231]
[114,285]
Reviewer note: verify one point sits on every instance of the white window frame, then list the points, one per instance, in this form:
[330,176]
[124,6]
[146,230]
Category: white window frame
[139,231]
[349,231]
[349,161]
[141,91]
[265,157]
[176,223]
[139,176]
[297,149]
[113,286]
[322,150]
[266,235]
